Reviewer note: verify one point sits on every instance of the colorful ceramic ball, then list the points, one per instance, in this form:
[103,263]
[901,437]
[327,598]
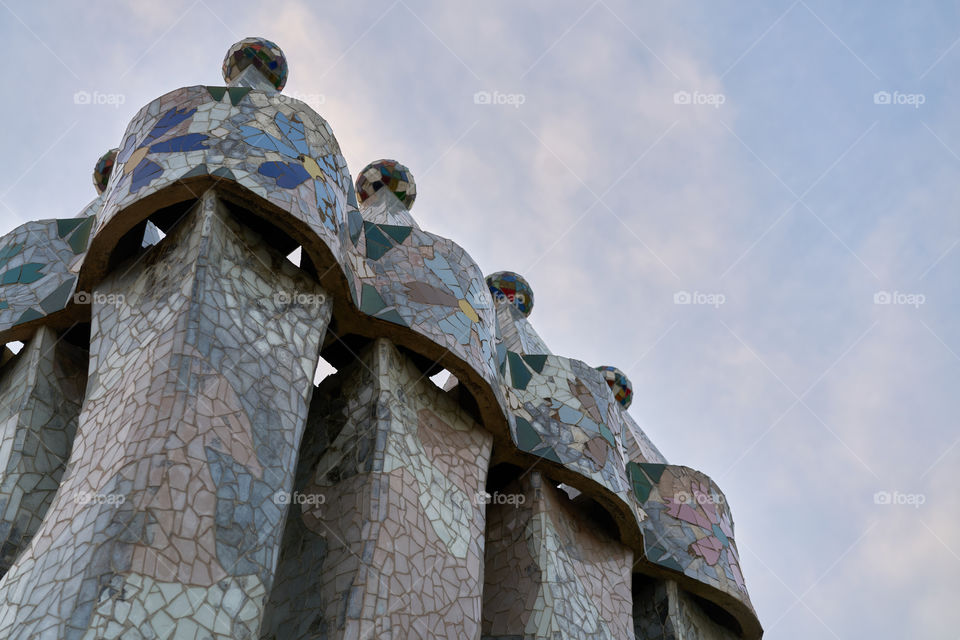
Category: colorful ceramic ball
[103,169]
[262,54]
[619,383]
[390,174]
[509,286]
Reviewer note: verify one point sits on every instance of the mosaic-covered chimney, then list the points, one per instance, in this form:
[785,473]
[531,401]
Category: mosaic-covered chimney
[170,469]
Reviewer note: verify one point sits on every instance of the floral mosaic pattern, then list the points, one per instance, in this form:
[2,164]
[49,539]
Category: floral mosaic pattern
[302,166]
[38,265]
[690,528]
[141,169]
[563,411]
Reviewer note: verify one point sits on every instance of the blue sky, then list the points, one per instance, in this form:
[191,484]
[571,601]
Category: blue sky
[796,201]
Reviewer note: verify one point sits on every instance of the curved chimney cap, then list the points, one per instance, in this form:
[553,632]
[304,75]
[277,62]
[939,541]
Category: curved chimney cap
[103,169]
[252,57]
[619,383]
[388,174]
[513,288]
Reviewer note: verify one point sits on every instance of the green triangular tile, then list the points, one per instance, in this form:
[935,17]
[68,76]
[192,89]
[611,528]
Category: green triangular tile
[370,300]
[639,481]
[527,437]
[78,239]
[536,362]
[548,453]
[30,272]
[653,470]
[9,251]
[10,276]
[217,92]
[519,374]
[397,232]
[66,226]
[236,94]
[223,172]
[377,243]
[57,300]
[28,315]
[355,225]
[393,317]
[199,170]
